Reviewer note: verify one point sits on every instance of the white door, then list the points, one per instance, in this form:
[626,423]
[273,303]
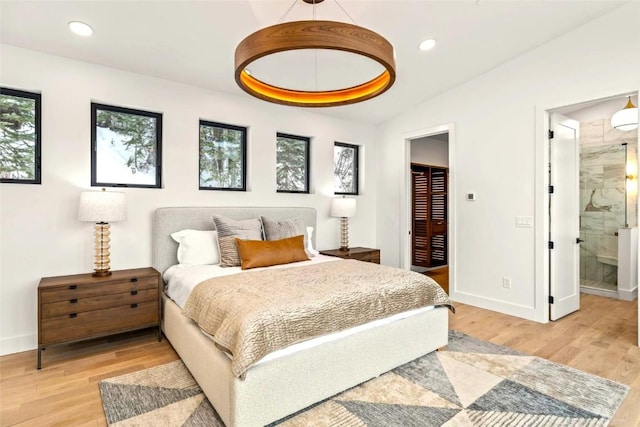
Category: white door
[564,217]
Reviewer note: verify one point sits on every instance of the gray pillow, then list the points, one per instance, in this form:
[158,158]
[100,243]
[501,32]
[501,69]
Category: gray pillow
[282,229]
[285,228]
[228,229]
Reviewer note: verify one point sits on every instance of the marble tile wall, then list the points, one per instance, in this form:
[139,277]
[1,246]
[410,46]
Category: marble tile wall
[602,195]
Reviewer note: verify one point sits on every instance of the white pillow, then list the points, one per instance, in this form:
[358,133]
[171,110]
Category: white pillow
[196,247]
[310,251]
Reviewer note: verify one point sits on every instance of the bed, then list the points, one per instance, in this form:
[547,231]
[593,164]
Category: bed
[273,389]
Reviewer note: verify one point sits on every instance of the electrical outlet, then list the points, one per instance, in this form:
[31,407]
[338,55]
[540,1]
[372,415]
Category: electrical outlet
[506,282]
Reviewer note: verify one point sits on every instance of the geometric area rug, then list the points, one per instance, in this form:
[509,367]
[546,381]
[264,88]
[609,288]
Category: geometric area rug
[470,383]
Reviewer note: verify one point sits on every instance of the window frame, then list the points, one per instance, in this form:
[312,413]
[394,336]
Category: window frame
[307,141]
[158,145]
[37,155]
[242,129]
[356,172]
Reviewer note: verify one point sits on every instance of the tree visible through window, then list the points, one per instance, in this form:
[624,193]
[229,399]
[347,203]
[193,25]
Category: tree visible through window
[345,168]
[126,147]
[292,163]
[222,156]
[19,136]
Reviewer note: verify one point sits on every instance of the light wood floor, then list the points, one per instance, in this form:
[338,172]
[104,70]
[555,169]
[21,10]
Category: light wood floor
[440,275]
[600,339]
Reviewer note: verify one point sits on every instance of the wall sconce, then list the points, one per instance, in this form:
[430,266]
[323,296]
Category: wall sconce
[102,207]
[631,167]
[631,186]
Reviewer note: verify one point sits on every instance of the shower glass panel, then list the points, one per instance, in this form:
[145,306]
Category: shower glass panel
[604,205]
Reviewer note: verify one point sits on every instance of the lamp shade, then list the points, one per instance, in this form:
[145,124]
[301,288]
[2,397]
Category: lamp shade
[102,206]
[626,119]
[343,207]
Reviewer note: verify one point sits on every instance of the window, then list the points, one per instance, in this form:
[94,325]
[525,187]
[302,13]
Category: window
[19,136]
[223,157]
[126,147]
[292,163]
[345,168]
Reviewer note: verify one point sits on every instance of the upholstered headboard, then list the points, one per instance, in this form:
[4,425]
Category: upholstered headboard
[170,220]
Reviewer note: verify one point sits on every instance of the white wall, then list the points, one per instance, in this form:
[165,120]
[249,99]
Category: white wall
[499,155]
[597,110]
[430,151]
[39,232]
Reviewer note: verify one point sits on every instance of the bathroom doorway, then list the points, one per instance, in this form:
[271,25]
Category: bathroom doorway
[607,200]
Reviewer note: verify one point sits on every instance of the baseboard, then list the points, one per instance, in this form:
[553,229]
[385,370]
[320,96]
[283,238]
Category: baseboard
[626,295]
[621,294]
[18,344]
[516,310]
[591,290]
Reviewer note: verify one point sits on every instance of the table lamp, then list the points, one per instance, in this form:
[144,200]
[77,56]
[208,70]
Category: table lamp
[102,207]
[344,209]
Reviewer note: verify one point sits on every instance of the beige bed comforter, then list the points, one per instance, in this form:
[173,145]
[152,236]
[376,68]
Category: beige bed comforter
[253,314]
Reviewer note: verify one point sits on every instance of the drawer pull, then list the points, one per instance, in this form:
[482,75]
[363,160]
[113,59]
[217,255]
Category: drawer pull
[73,301]
[134,279]
[134,292]
[73,286]
[72,315]
[134,305]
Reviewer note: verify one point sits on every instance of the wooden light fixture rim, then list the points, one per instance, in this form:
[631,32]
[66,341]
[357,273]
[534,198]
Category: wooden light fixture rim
[315,35]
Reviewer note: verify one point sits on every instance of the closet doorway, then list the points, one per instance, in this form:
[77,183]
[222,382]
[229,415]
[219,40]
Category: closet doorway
[429,239]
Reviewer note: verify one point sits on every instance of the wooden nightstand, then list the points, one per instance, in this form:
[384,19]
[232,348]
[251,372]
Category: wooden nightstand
[80,306]
[361,254]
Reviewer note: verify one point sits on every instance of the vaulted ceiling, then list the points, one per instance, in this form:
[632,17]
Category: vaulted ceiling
[194,41]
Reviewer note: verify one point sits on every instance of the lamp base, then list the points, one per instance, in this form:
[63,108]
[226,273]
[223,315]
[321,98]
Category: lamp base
[101,273]
[344,234]
[101,258]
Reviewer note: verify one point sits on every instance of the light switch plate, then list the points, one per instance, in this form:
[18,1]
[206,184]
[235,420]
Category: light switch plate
[524,221]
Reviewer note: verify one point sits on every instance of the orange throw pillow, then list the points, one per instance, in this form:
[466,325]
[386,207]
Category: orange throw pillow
[264,253]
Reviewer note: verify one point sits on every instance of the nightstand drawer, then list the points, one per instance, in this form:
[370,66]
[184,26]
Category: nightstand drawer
[84,306]
[74,291]
[78,305]
[370,257]
[93,323]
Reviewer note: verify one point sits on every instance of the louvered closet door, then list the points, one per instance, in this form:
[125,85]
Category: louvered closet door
[429,232]
[420,187]
[438,217]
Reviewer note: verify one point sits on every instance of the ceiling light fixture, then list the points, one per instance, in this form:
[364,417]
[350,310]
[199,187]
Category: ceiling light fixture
[627,118]
[427,44]
[80,28]
[314,34]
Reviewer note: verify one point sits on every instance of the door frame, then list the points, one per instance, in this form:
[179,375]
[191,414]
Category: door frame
[405,200]
[541,199]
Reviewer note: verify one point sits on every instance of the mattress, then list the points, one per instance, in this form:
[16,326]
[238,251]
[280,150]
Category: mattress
[181,280]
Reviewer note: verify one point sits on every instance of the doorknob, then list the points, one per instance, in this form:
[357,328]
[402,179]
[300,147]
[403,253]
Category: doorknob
[579,240]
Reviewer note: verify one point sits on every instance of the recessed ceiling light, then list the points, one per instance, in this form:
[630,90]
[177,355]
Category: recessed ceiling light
[427,44]
[80,28]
